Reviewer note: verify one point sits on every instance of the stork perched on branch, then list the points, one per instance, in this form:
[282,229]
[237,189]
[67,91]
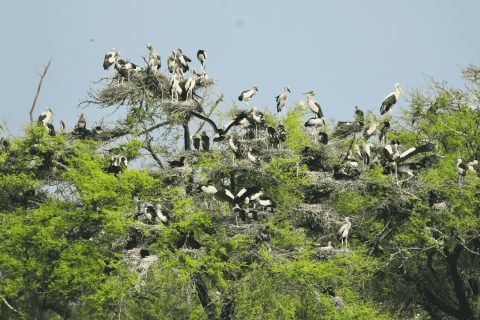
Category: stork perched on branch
[313,104]
[384,128]
[462,169]
[315,123]
[343,232]
[390,100]
[45,117]
[359,116]
[282,100]
[202,56]
[154,60]
[109,61]
[220,132]
[171,62]
[182,60]
[247,95]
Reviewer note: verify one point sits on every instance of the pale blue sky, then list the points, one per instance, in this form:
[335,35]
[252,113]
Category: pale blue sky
[350,52]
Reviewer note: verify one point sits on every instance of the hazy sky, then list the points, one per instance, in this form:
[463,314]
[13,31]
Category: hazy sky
[350,52]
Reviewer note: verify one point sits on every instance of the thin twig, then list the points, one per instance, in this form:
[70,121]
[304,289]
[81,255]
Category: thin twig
[39,87]
[459,133]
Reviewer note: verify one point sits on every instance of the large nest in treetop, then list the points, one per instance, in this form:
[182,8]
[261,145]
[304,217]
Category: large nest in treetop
[133,88]
[180,111]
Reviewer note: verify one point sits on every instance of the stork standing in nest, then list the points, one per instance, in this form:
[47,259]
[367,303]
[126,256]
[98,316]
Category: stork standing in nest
[182,60]
[313,104]
[191,84]
[45,117]
[171,62]
[109,61]
[154,59]
[202,56]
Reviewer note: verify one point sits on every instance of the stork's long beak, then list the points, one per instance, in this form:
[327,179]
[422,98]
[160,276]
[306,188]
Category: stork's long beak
[289,90]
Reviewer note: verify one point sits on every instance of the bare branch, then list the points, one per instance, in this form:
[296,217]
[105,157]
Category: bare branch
[39,87]
[150,149]
[12,307]
[208,116]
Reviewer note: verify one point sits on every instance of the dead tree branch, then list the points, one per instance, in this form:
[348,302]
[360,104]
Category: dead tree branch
[39,87]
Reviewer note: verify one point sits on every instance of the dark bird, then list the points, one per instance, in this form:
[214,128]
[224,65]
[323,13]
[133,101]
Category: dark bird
[247,95]
[462,169]
[282,132]
[220,132]
[202,56]
[238,150]
[171,62]
[384,128]
[154,212]
[225,196]
[323,137]
[359,116]
[313,104]
[205,141]
[97,130]
[177,164]
[116,161]
[413,151]
[109,60]
[51,130]
[343,232]
[188,240]
[124,68]
[390,100]
[272,139]
[196,141]
[282,100]
[182,60]
[144,253]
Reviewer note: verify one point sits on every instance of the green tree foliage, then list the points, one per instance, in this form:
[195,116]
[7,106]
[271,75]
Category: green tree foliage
[77,241]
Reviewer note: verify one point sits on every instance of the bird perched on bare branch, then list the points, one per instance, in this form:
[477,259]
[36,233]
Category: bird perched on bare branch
[390,100]
[182,60]
[282,100]
[343,232]
[190,84]
[45,117]
[247,95]
[109,61]
[202,56]
[171,62]
[155,57]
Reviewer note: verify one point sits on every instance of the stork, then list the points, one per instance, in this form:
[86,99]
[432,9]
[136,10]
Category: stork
[155,57]
[220,132]
[471,165]
[272,132]
[237,150]
[171,62]
[252,193]
[266,202]
[359,116]
[323,137]
[258,117]
[175,89]
[63,129]
[247,95]
[461,168]
[182,60]
[370,128]
[209,190]
[82,121]
[124,67]
[116,161]
[191,84]
[282,132]
[329,246]
[390,100]
[343,232]
[282,100]
[225,196]
[109,61]
[177,164]
[384,128]
[315,123]
[196,141]
[45,117]
[153,65]
[251,157]
[245,124]
[202,56]
[205,141]
[313,104]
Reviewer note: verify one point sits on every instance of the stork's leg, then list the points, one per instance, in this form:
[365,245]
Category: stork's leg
[346,243]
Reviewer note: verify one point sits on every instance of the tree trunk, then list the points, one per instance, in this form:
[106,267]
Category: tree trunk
[186,136]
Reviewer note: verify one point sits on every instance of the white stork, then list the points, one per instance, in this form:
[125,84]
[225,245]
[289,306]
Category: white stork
[82,121]
[461,168]
[171,62]
[370,128]
[191,84]
[343,232]
[390,100]
[313,104]
[109,61]
[315,123]
[202,56]
[472,164]
[182,60]
[154,56]
[247,95]
[282,100]
[45,117]
[175,88]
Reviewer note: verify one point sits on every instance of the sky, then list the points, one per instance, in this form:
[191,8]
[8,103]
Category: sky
[350,52]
